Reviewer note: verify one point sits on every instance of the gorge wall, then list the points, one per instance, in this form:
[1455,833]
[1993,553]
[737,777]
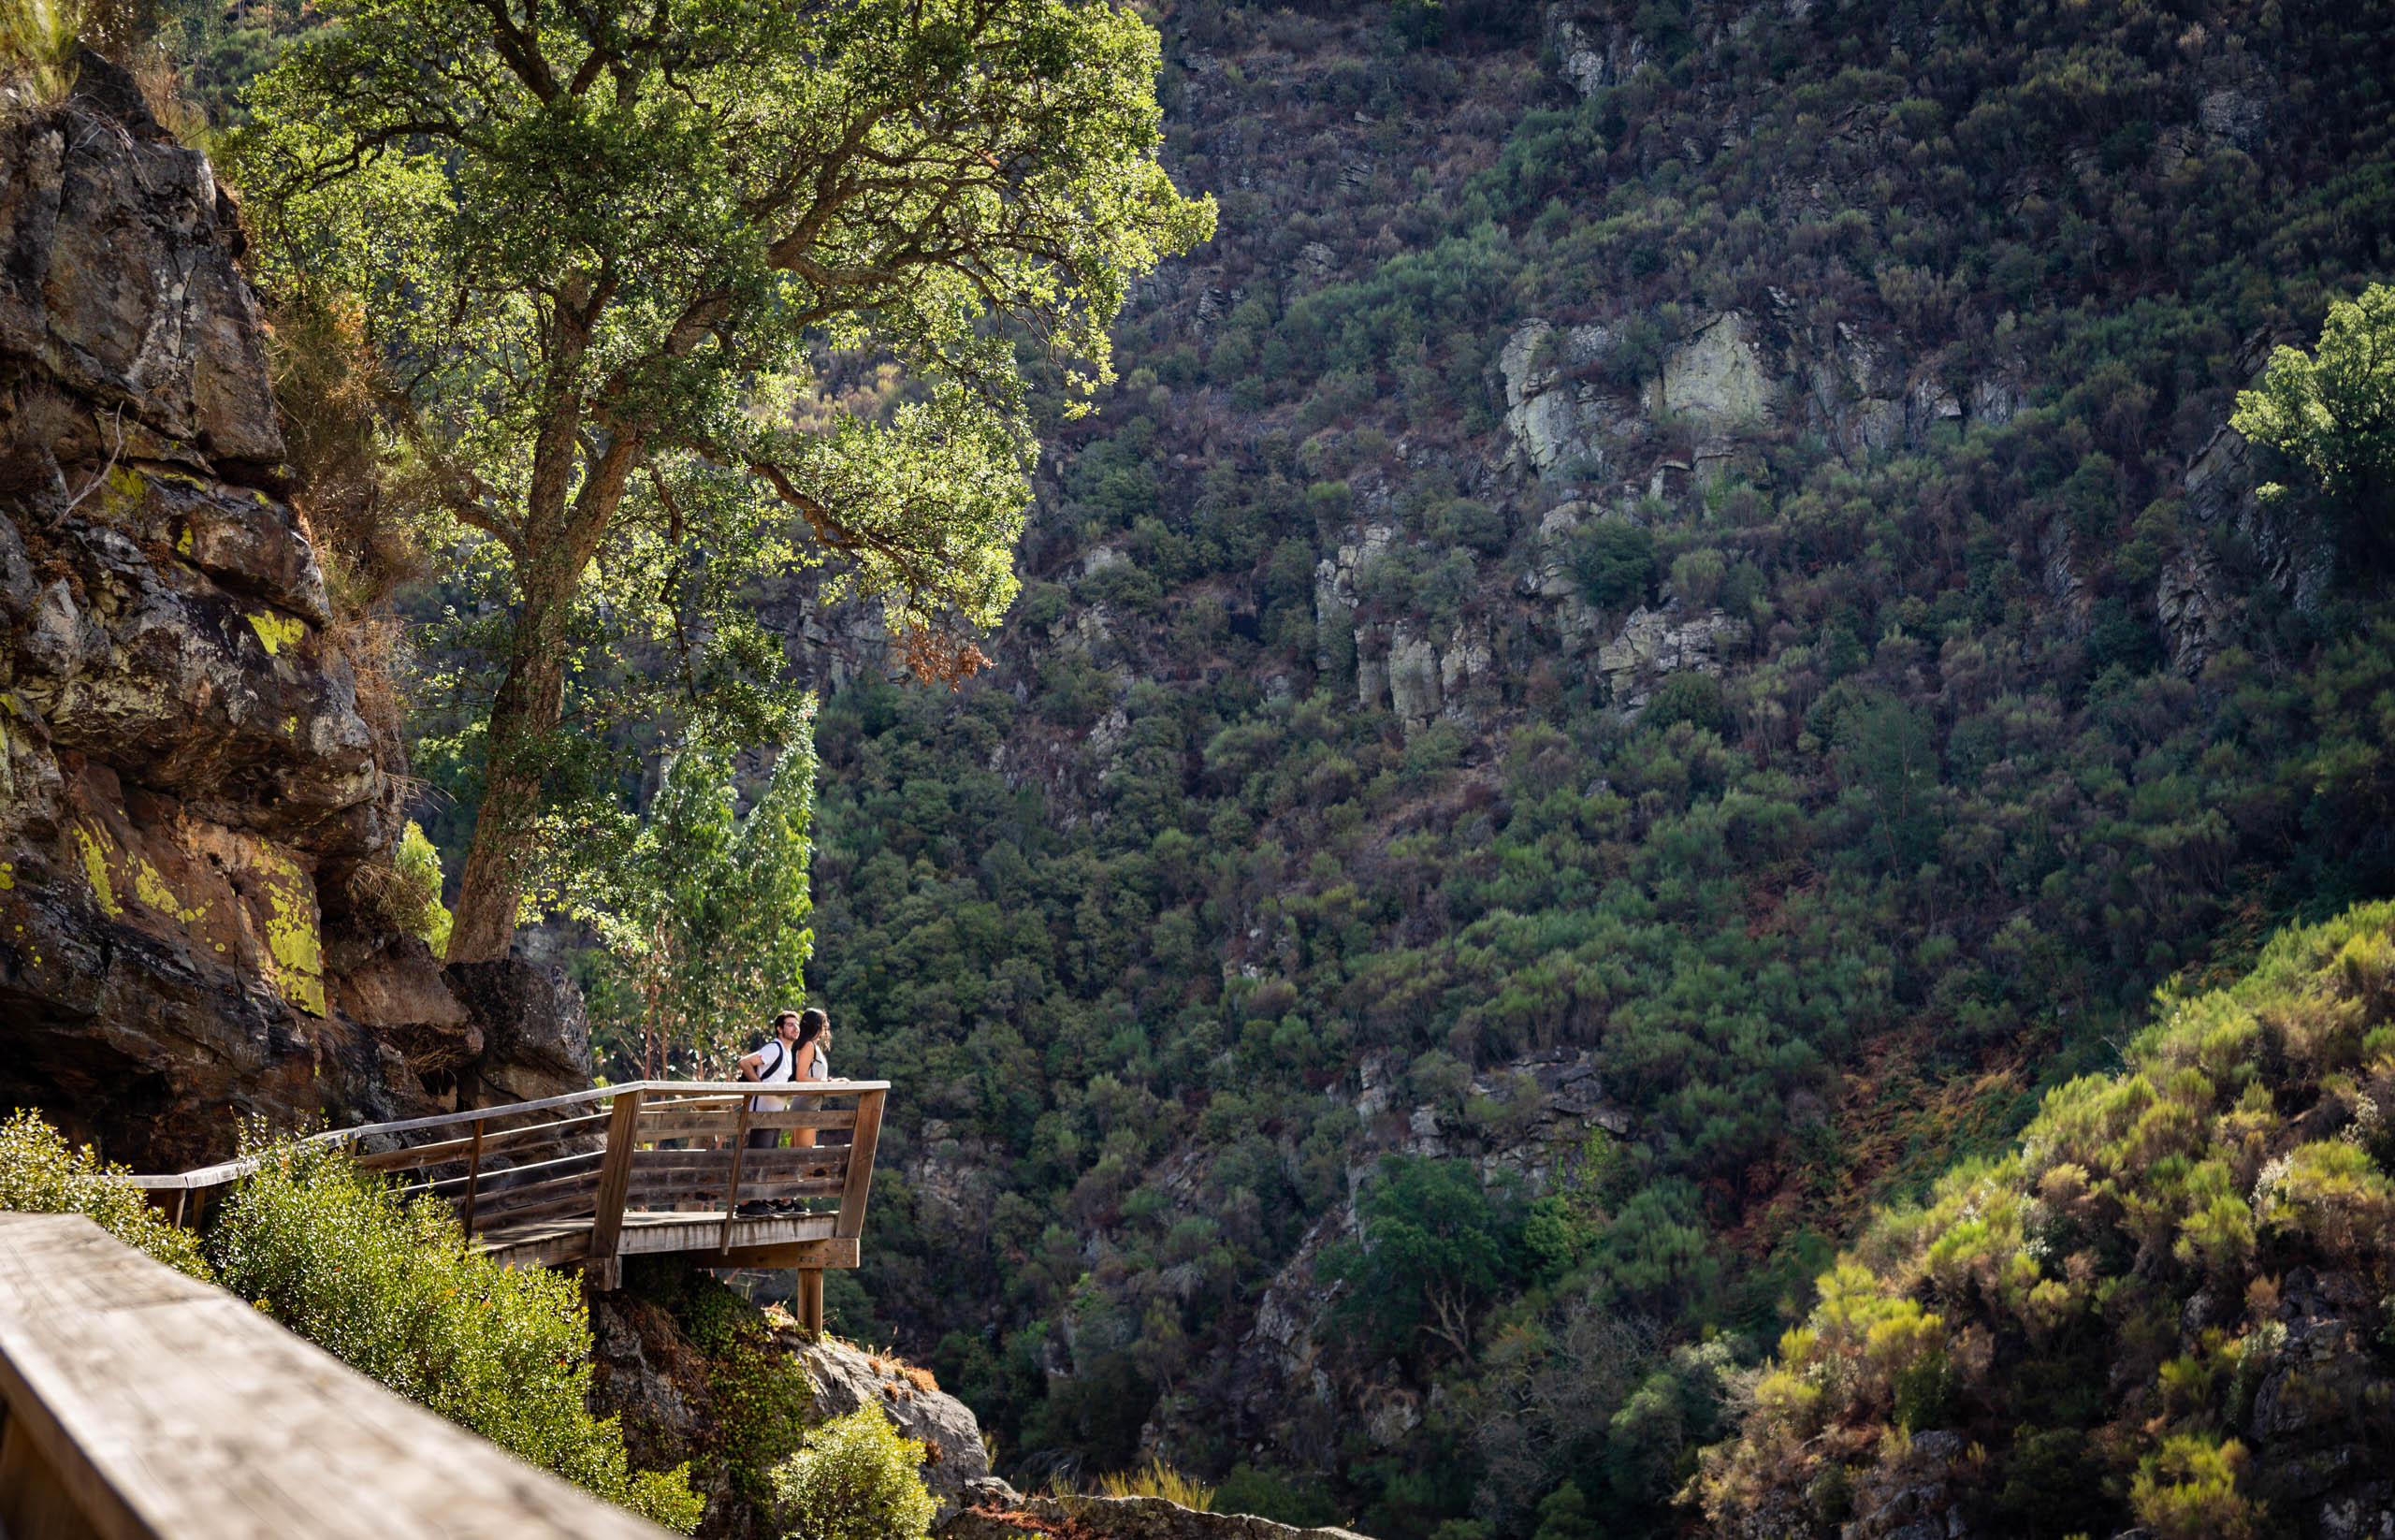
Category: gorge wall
[195,811]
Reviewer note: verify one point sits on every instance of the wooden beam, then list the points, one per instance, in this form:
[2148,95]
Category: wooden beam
[33,1503]
[600,1264]
[801,1254]
[859,1184]
[167,1409]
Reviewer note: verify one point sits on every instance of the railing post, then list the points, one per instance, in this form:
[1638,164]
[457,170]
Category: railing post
[731,1188]
[473,1175]
[853,1192]
[601,1267]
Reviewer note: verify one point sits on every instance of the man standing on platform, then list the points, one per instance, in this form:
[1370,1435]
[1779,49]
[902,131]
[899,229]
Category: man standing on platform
[776,1062]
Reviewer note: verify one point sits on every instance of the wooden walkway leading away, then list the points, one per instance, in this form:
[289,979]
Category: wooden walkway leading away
[654,1166]
[141,1405]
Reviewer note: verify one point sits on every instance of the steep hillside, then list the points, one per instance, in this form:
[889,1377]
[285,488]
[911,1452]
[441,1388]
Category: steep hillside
[1667,611]
[2168,1305]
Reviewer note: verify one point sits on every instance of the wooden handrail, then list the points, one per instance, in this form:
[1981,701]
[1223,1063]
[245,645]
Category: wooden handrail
[233,1170]
[570,1207]
[143,1404]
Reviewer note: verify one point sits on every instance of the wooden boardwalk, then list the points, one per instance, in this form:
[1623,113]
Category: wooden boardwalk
[651,1166]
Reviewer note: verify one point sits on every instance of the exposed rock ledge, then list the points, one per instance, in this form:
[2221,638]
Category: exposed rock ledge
[1005,1516]
[187,782]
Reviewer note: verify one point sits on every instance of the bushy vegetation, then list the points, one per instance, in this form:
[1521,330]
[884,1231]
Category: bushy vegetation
[393,1290]
[390,1289]
[855,1479]
[758,1391]
[2099,1306]
[41,1173]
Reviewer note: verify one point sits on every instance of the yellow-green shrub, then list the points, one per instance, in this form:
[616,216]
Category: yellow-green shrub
[41,1173]
[856,1479]
[392,1289]
[2188,1491]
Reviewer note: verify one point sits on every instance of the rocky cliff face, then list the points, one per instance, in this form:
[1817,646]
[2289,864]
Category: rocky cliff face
[188,790]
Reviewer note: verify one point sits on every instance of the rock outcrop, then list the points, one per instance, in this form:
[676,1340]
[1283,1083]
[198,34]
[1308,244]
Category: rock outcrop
[1717,379]
[956,1467]
[1114,1519]
[1655,644]
[188,789]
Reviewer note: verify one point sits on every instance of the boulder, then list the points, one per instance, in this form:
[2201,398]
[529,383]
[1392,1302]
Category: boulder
[1657,643]
[1414,679]
[537,1039]
[1557,417]
[955,1464]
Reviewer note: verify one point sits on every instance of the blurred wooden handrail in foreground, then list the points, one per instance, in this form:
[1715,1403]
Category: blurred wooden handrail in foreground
[143,1404]
[652,1166]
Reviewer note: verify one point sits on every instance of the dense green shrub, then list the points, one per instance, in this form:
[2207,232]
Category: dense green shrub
[1613,562]
[856,1479]
[392,1289]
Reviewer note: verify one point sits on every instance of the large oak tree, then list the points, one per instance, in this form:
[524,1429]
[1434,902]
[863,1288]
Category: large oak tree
[598,241]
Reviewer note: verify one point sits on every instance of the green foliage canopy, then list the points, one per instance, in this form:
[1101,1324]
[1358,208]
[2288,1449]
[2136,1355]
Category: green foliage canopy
[702,910]
[1436,1246]
[2333,412]
[595,247]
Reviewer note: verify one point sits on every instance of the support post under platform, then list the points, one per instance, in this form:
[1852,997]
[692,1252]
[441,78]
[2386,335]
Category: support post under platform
[810,1301]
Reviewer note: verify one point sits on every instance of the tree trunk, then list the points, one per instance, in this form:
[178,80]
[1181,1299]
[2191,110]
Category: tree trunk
[526,709]
[560,541]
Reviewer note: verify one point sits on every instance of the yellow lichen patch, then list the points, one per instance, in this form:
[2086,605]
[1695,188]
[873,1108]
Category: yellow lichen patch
[92,843]
[7,876]
[151,888]
[291,725]
[291,936]
[183,542]
[125,486]
[277,632]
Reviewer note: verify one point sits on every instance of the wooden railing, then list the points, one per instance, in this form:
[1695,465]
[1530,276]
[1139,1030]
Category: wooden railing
[142,1404]
[655,1165]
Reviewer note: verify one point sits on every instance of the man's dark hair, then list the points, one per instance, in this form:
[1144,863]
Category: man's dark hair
[781,1016]
[812,1025]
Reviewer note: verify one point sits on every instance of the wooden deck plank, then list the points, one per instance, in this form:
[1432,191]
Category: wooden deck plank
[556,1242]
[174,1411]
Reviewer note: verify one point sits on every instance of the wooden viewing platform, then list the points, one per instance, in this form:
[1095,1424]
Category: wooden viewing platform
[142,1404]
[653,1165]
